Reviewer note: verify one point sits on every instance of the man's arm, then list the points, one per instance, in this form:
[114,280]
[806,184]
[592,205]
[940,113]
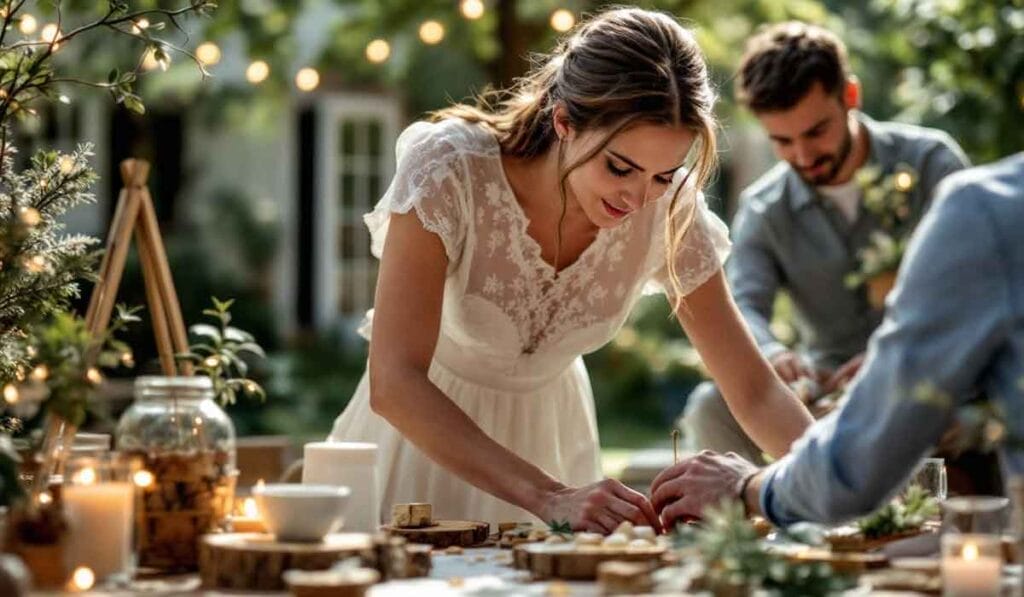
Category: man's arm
[754,275]
[948,316]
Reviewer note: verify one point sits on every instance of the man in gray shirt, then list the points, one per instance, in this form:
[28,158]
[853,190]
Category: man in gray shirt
[800,226]
[955,323]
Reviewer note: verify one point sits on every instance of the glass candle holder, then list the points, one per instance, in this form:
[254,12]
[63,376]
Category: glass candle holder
[99,499]
[972,565]
[930,475]
[975,514]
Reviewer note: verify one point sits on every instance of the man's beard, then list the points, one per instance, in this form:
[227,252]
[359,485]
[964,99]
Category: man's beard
[837,160]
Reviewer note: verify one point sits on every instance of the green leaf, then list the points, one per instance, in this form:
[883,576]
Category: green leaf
[209,331]
[133,103]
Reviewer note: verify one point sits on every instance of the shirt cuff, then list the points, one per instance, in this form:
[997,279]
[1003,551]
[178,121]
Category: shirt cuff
[767,494]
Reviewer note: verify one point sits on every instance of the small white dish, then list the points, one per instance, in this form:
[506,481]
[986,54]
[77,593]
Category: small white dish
[301,513]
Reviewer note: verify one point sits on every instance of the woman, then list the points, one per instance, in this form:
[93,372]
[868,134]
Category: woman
[514,239]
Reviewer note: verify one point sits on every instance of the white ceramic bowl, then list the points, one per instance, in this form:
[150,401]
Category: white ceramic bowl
[305,513]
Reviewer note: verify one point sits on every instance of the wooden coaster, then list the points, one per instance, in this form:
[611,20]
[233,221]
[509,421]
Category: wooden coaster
[256,561]
[849,538]
[572,562]
[842,561]
[445,533]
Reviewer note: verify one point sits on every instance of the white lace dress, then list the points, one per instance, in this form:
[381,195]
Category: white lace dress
[512,333]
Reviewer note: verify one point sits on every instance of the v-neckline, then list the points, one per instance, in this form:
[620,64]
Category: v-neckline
[533,246]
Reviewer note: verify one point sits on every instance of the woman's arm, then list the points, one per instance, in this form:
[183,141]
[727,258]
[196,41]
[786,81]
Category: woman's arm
[407,314]
[766,409]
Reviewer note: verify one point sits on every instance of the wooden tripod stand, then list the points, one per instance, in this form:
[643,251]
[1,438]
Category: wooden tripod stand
[134,212]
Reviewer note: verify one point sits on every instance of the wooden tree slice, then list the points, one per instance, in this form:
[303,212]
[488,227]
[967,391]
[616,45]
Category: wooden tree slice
[844,562]
[571,562]
[446,533]
[256,561]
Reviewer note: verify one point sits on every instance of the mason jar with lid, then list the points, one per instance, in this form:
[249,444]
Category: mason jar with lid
[177,433]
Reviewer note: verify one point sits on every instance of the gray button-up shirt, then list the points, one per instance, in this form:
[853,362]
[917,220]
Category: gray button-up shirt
[955,323]
[786,237]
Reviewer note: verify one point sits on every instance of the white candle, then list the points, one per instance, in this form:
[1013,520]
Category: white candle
[100,526]
[971,574]
[350,464]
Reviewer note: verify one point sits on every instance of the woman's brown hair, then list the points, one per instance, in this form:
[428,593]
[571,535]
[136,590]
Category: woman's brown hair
[621,67]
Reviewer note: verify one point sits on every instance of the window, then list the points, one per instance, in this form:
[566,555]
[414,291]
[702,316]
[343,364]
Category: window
[356,135]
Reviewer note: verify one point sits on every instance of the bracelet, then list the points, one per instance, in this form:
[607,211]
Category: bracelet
[743,491]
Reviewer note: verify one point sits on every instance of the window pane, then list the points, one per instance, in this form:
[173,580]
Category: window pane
[348,137]
[374,140]
[348,191]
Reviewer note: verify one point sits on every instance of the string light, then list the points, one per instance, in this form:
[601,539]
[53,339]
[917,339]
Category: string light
[143,479]
[30,216]
[35,264]
[66,164]
[431,32]
[472,9]
[904,181]
[257,72]
[149,61]
[139,25]
[127,359]
[377,51]
[50,35]
[28,25]
[562,20]
[211,361]
[83,579]
[11,395]
[307,79]
[94,376]
[45,498]
[208,53]
[41,373]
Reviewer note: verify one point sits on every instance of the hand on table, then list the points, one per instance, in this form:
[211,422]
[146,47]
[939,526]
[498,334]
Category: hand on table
[682,491]
[599,507]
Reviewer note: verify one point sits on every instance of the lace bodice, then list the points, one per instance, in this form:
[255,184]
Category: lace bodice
[505,312]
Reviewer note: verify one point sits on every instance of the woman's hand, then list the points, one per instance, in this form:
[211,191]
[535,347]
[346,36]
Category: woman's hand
[599,507]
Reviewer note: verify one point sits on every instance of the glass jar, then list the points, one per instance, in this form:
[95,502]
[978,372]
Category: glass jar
[177,432]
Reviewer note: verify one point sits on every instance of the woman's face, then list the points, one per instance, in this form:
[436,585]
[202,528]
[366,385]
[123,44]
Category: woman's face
[635,166]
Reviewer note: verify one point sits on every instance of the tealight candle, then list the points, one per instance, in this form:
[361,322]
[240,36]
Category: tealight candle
[971,565]
[248,520]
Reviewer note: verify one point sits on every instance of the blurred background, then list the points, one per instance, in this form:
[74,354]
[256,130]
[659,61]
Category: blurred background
[261,173]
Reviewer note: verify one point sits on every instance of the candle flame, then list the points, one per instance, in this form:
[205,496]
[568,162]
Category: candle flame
[249,508]
[970,551]
[86,476]
[83,578]
[143,478]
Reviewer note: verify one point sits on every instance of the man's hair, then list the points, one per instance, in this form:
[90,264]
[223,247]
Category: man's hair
[782,62]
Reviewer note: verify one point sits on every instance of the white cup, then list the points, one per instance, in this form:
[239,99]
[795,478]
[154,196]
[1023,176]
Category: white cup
[301,512]
[353,465]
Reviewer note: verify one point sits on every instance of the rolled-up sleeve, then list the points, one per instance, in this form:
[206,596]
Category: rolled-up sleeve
[948,315]
[753,274]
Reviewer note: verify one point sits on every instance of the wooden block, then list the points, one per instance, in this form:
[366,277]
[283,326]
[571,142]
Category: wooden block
[571,562]
[445,533]
[411,516]
[624,578]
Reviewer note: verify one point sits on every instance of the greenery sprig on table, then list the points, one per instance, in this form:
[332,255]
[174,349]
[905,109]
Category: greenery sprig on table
[901,515]
[735,560]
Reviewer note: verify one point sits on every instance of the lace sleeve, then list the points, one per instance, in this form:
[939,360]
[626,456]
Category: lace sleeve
[429,179]
[702,252]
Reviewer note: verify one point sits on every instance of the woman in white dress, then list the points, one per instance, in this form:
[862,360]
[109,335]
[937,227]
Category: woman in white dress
[515,237]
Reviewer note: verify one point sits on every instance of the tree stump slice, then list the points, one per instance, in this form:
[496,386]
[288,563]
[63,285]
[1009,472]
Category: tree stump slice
[446,533]
[256,561]
[571,562]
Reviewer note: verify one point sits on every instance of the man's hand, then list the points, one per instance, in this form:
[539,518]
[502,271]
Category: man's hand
[684,490]
[844,374]
[791,366]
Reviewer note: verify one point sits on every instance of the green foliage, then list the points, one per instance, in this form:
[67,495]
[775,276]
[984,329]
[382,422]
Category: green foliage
[903,514]
[735,559]
[64,363]
[218,355]
[39,266]
[560,527]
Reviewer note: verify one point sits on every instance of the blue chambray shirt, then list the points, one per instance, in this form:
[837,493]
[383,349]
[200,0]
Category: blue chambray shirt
[786,237]
[954,323]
